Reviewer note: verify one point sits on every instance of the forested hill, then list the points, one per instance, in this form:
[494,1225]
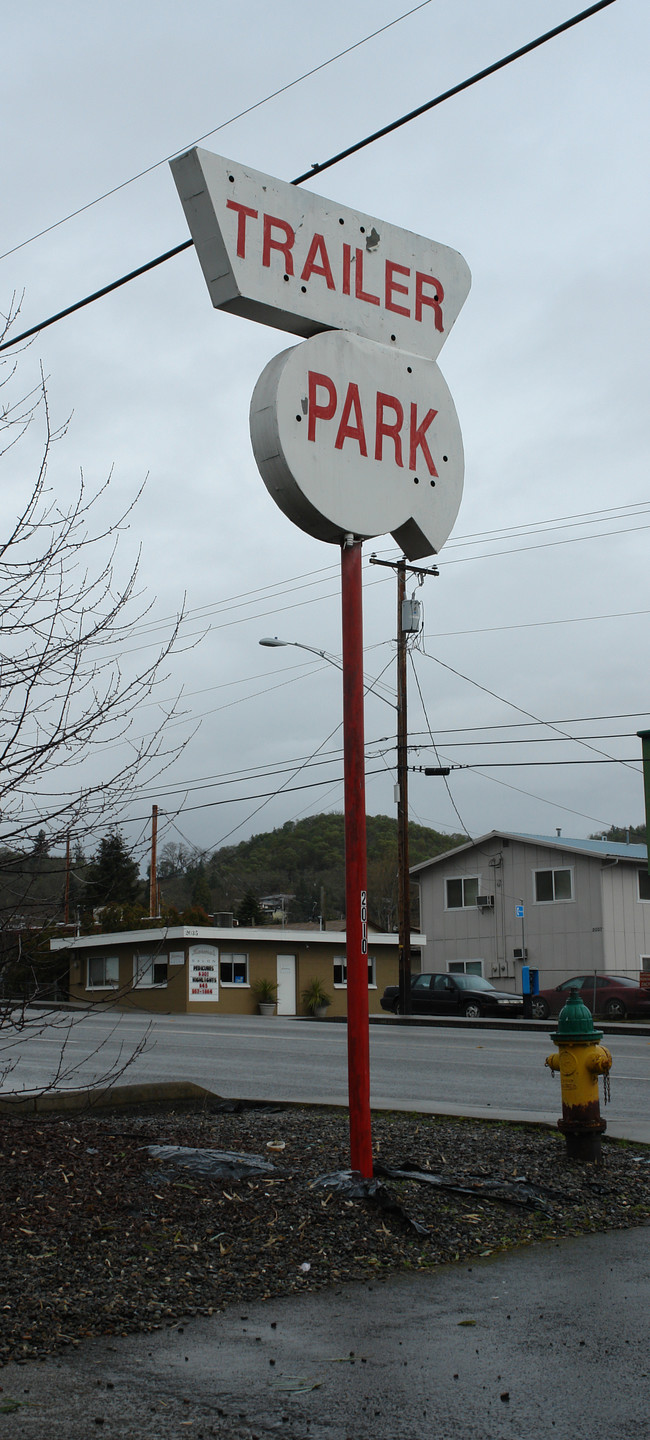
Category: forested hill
[317,843]
[303,858]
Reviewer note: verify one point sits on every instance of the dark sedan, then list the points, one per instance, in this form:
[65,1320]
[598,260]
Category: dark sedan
[453,995]
[615,997]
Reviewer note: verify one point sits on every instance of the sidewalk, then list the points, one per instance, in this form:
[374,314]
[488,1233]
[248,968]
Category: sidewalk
[547,1341]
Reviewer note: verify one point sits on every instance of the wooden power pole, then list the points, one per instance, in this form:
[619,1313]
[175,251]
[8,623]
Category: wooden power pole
[153,879]
[405,627]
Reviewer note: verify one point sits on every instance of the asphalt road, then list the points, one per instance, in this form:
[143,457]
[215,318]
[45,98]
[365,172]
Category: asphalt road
[471,1071]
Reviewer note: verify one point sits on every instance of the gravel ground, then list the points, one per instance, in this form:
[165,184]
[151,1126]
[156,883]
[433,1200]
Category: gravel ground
[100,1238]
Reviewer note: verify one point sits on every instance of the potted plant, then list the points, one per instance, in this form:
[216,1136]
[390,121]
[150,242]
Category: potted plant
[316,999]
[264,991]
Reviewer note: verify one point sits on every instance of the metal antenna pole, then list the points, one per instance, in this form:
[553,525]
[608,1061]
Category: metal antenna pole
[356,886]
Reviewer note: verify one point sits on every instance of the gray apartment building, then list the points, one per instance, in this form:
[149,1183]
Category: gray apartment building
[585,904]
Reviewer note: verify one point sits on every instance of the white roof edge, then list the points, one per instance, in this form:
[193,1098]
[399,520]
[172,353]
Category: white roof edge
[207,933]
[552,842]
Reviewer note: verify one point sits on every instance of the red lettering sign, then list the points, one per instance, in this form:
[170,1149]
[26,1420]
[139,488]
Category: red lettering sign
[346,431]
[389,414]
[392,432]
[316,411]
[318,247]
[243,212]
[271,223]
[392,286]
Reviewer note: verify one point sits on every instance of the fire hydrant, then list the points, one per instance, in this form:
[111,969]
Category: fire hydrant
[580,1061]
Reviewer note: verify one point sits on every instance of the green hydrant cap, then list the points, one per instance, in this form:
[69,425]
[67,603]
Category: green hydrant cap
[576,1022]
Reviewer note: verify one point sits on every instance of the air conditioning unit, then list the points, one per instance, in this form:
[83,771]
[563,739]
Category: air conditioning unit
[485,902]
[520,954]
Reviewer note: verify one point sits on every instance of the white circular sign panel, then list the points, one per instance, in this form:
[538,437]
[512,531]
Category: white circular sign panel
[353,437]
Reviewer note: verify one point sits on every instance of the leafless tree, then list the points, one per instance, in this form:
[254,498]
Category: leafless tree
[72,747]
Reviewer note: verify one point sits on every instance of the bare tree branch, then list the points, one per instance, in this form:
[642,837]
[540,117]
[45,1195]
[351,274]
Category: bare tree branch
[72,751]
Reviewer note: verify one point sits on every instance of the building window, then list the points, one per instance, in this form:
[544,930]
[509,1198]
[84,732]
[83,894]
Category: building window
[233,969]
[552,885]
[465,967]
[645,964]
[103,972]
[644,884]
[341,973]
[462,892]
[149,971]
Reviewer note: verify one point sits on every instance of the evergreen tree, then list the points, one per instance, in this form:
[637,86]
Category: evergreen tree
[113,878]
[622,834]
[201,896]
[249,912]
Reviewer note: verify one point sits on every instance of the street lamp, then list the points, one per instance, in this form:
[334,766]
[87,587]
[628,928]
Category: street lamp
[272,641]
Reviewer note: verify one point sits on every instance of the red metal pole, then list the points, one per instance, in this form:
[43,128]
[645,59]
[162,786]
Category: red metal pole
[356,892]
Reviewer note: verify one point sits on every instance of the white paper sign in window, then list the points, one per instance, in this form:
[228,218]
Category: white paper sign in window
[204,972]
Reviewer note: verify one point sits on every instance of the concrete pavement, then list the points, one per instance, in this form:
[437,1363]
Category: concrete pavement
[548,1340]
[543,1342]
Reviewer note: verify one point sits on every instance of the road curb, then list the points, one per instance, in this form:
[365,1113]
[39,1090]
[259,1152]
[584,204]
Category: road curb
[112,1097]
[483,1022]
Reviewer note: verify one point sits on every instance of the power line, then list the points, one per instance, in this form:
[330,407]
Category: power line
[535,740]
[333,594]
[326,573]
[520,708]
[495,779]
[455,90]
[528,724]
[552,520]
[317,169]
[374,751]
[435,751]
[520,764]
[543,799]
[547,545]
[257,105]
[535,624]
[539,527]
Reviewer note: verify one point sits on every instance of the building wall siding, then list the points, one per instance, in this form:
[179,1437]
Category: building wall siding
[561,937]
[626,920]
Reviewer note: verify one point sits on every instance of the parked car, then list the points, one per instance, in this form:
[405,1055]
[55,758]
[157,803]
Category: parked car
[453,995]
[616,996]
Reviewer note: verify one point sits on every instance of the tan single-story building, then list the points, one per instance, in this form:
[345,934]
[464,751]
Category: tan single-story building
[203,969]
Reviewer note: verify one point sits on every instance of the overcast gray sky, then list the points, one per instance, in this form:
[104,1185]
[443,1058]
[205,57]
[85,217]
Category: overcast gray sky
[538,176]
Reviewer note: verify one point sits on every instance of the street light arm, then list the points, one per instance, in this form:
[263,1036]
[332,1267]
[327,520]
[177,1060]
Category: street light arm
[272,641]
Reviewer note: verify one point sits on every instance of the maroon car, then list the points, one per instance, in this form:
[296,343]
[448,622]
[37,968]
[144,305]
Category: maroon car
[615,997]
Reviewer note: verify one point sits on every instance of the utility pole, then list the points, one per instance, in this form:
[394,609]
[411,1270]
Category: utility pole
[153,878]
[407,624]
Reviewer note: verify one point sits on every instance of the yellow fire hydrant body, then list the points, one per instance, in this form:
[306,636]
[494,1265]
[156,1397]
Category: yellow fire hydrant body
[580,1061]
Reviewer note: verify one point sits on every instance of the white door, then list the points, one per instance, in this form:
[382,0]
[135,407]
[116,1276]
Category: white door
[286,985]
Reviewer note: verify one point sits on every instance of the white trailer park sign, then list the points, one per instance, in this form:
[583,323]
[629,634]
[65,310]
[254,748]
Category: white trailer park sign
[355,431]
